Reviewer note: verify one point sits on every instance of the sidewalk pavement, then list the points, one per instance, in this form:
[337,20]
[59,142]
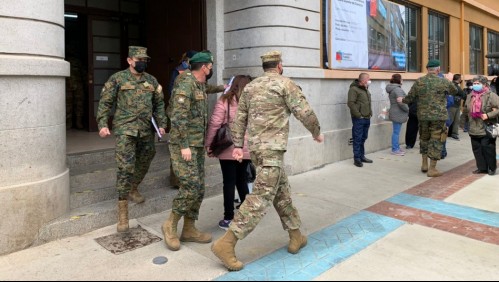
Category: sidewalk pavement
[385,221]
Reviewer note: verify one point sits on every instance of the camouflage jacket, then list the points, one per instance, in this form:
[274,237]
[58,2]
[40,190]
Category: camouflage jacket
[188,111]
[430,93]
[264,109]
[136,101]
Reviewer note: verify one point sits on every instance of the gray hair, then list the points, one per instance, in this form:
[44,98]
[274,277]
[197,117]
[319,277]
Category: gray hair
[482,79]
[434,69]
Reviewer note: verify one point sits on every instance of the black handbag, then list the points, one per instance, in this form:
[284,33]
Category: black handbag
[223,137]
[492,130]
[251,172]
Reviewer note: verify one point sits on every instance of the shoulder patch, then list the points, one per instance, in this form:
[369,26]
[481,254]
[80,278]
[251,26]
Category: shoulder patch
[159,89]
[180,99]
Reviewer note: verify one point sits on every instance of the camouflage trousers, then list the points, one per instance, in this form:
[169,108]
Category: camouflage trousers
[191,181]
[432,135]
[271,186]
[133,157]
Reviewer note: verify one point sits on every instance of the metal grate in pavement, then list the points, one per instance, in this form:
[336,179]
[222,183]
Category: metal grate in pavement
[119,243]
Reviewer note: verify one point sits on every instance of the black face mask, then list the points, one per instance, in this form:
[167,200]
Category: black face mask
[209,75]
[140,66]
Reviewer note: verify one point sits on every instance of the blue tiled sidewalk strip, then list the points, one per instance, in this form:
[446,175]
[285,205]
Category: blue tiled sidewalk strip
[326,248]
[449,209]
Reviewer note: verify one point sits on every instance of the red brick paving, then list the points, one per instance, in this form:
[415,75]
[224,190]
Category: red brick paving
[440,188]
[454,225]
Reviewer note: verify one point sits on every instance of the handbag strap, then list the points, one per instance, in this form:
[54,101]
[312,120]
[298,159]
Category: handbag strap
[490,120]
[228,111]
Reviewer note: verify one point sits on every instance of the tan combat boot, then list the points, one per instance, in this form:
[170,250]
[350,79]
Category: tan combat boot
[296,241]
[433,172]
[135,196]
[122,216]
[191,234]
[223,248]
[424,164]
[169,229]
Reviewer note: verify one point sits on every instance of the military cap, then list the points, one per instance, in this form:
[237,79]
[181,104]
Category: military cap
[137,52]
[433,64]
[202,57]
[272,56]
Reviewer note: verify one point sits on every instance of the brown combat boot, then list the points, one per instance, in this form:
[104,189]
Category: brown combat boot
[296,241]
[223,248]
[169,229]
[191,234]
[135,196]
[433,172]
[122,216]
[424,164]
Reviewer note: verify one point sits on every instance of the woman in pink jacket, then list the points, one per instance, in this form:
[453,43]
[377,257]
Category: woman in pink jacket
[233,172]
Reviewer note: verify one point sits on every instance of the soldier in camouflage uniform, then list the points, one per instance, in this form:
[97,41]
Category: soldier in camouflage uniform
[188,112]
[430,92]
[264,109]
[210,89]
[137,97]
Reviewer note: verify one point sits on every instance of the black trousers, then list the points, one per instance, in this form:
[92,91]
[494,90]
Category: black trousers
[411,132]
[234,175]
[484,149]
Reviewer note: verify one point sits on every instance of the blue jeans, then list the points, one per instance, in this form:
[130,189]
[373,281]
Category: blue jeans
[360,130]
[395,136]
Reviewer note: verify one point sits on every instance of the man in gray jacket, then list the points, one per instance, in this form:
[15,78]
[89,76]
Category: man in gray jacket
[359,102]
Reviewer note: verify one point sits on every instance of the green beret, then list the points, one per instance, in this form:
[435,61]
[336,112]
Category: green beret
[137,52]
[433,64]
[272,56]
[202,57]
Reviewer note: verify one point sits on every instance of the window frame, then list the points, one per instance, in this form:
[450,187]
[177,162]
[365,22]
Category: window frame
[476,56]
[435,41]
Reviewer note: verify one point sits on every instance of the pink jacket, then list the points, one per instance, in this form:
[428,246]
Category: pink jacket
[218,117]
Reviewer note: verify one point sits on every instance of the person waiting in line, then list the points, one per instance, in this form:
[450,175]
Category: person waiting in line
[398,111]
[411,132]
[359,103]
[450,102]
[482,107]
[464,123]
[234,173]
[455,108]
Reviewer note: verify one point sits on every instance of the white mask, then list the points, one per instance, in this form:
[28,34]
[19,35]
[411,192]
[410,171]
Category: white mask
[368,82]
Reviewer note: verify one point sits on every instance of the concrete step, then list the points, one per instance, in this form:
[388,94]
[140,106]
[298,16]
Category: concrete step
[98,176]
[107,156]
[91,217]
[91,188]
[153,180]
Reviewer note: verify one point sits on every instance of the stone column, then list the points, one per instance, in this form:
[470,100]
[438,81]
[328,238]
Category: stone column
[34,178]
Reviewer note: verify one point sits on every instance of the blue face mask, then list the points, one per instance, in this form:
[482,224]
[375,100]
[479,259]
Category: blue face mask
[477,87]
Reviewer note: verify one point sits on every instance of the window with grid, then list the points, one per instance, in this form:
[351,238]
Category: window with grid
[412,26]
[493,46]
[413,38]
[438,39]
[476,49]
